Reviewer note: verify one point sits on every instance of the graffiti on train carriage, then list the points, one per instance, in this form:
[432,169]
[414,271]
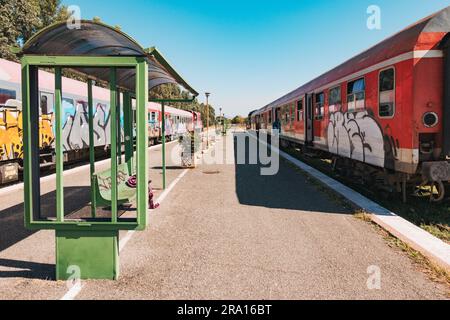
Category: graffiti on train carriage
[75,133]
[76,124]
[358,136]
[10,134]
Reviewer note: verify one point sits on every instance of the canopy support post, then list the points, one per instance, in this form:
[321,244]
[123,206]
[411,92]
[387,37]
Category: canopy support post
[119,129]
[30,99]
[163,137]
[92,148]
[113,120]
[59,147]
[163,129]
[142,141]
[128,131]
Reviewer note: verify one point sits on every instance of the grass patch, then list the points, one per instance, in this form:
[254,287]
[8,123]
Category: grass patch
[433,271]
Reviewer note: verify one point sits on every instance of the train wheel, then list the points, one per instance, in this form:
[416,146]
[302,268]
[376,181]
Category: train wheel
[437,192]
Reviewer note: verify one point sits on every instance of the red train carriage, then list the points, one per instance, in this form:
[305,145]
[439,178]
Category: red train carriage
[387,108]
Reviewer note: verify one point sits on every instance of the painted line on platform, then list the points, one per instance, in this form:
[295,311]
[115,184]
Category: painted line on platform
[417,238]
[164,195]
[76,289]
[73,292]
[160,200]
[52,177]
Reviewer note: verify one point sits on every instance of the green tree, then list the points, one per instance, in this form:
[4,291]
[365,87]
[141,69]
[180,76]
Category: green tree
[238,120]
[21,19]
[52,11]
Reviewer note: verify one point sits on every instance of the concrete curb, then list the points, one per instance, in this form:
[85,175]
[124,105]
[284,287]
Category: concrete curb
[417,238]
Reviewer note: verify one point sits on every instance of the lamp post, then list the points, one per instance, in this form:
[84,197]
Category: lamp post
[220,115]
[224,130]
[207,94]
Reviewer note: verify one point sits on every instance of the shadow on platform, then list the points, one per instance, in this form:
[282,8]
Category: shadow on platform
[12,229]
[27,270]
[288,189]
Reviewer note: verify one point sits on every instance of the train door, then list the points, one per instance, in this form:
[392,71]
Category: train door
[309,120]
[277,116]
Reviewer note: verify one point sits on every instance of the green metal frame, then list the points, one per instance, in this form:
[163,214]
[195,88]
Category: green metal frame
[94,253]
[91,245]
[30,92]
[92,149]
[128,131]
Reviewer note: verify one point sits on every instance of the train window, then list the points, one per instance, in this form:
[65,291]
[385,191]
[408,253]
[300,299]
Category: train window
[356,95]
[335,99]
[319,105]
[6,95]
[300,110]
[47,102]
[292,110]
[386,107]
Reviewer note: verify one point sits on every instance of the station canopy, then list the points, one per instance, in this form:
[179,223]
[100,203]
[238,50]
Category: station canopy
[95,39]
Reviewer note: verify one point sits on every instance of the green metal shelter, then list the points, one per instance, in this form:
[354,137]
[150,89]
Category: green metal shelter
[88,244]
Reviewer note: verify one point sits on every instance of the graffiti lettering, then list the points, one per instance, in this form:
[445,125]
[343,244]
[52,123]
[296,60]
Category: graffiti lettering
[105,184]
[356,136]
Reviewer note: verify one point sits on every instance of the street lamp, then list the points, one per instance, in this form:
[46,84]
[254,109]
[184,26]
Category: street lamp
[207,94]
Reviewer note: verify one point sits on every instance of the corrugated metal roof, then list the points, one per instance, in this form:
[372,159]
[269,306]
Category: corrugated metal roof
[98,39]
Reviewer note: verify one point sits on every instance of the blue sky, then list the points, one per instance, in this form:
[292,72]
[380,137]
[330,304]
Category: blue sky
[248,53]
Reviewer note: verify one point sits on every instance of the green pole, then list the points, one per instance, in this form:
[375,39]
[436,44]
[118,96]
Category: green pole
[128,131]
[113,103]
[91,148]
[142,141]
[119,129]
[58,147]
[163,136]
[27,177]
[163,129]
